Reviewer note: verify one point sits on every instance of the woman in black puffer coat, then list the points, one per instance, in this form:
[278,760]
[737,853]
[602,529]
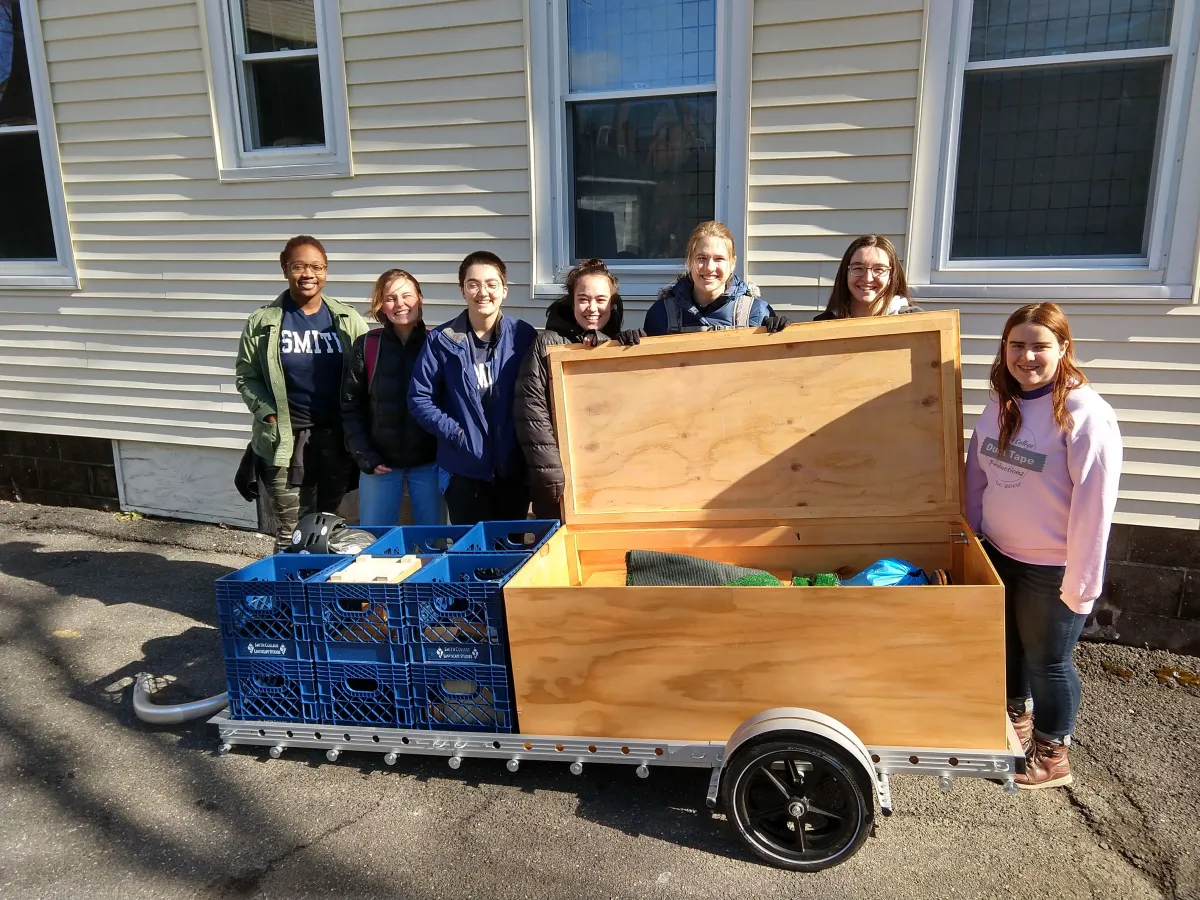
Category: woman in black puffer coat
[590,313]
[388,445]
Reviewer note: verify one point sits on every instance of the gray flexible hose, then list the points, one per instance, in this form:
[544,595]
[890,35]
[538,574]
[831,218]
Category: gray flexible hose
[148,711]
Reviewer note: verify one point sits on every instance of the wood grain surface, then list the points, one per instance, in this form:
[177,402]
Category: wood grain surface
[916,666]
[810,423]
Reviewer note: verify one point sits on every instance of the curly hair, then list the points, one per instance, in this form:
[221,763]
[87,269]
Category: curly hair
[302,240]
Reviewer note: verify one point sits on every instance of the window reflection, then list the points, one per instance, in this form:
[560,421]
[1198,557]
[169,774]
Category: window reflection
[16,92]
[286,103]
[1057,162]
[618,45]
[644,175]
[1004,29]
[279,25]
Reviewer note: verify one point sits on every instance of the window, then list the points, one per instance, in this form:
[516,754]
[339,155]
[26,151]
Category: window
[1063,133]
[279,88]
[35,245]
[639,135]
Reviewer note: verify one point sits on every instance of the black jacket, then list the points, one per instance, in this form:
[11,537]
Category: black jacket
[531,407]
[379,429]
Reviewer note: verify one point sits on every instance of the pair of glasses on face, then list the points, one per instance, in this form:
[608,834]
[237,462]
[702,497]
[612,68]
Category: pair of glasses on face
[301,268]
[877,271]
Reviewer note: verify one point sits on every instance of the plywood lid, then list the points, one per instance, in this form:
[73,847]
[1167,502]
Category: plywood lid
[845,419]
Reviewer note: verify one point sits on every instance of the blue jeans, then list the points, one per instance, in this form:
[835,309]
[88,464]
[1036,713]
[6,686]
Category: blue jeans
[1040,633]
[379,496]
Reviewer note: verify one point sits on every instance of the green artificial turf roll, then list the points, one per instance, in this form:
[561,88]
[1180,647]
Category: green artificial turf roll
[758,579]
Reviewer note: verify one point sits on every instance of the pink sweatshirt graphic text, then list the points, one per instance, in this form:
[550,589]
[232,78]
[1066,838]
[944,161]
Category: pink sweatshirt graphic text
[1048,499]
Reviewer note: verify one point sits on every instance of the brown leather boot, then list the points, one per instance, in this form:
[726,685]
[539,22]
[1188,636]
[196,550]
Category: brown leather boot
[1046,765]
[1022,722]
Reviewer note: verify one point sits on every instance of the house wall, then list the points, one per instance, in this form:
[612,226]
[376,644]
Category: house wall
[172,261]
[832,128]
[833,120]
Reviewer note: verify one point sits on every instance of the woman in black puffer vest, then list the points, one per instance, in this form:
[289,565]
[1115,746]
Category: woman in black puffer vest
[388,445]
[590,313]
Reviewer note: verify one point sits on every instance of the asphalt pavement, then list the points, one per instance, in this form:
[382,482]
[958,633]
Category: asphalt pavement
[95,804]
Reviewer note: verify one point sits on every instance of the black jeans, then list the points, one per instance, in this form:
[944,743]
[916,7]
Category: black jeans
[328,473]
[1040,633]
[470,500]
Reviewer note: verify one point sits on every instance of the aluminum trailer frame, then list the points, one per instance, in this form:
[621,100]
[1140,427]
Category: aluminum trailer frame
[576,752]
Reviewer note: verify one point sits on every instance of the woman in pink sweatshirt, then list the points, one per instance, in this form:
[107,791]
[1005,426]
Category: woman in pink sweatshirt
[1042,473]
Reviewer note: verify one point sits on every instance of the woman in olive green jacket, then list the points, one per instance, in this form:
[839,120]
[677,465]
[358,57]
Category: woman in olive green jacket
[289,372]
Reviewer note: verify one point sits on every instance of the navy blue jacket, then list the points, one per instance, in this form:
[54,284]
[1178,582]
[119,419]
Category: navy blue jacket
[474,439]
[717,315]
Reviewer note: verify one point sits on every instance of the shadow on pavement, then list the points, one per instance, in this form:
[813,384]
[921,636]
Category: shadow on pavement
[78,770]
[123,576]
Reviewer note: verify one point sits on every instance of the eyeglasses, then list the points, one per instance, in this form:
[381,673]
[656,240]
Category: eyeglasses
[877,271]
[301,268]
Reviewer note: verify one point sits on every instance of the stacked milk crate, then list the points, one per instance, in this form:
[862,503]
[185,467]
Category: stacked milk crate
[430,651]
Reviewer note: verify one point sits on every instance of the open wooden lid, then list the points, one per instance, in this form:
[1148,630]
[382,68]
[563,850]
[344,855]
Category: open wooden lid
[844,419]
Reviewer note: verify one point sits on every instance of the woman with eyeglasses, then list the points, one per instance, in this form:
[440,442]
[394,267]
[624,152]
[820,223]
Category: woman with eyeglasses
[289,372]
[869,282]
[461,391]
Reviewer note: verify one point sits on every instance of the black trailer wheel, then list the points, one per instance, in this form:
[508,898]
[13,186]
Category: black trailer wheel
[798,804]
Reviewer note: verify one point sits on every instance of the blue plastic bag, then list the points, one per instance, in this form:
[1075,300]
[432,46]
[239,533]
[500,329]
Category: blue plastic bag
[887,573]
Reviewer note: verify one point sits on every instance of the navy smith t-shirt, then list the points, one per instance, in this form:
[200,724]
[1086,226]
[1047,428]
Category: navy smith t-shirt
[311,351]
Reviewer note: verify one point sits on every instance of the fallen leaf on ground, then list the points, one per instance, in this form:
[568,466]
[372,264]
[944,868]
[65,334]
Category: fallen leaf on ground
[1119,671]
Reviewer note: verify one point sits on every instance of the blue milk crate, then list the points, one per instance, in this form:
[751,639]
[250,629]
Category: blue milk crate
[512,536]
[262,609]
[356,621]
[272,691]
[364,694]
[453,610]
[418,540]
[462,698]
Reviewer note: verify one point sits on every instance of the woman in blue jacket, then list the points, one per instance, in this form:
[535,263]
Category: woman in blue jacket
[461,391]
[709,297]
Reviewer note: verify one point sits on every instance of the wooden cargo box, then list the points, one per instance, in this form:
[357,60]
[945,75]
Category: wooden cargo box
[822,448]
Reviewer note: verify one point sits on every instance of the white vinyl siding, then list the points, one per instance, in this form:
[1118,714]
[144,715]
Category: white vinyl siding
[172,261]
[1144,359]
[833,113]
[833,122]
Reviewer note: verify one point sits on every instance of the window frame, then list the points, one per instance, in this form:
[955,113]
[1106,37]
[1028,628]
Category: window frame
[231,108]
[550,169]
[1165,272]
[62,271]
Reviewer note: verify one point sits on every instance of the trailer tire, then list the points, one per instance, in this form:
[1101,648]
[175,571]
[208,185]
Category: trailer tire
[797,803]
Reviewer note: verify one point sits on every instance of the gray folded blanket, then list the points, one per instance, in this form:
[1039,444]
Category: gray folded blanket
[648,568]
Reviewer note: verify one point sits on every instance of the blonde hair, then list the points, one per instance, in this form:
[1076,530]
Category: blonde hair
[707,230]
[375,310]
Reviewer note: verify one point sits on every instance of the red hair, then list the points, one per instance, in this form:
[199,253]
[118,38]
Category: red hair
[1066,379]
